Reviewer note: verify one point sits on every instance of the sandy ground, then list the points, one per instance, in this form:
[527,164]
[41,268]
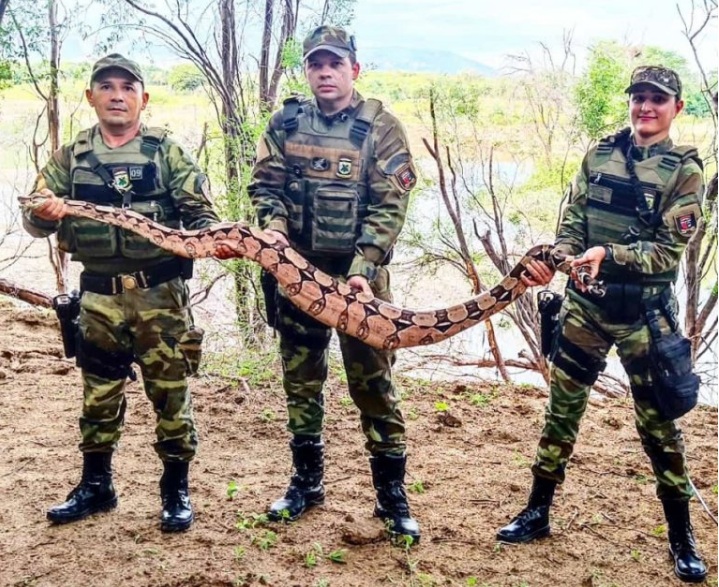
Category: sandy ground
[469,473]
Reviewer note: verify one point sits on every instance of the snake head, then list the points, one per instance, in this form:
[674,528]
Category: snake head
[594,286]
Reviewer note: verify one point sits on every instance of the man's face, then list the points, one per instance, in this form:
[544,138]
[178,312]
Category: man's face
[118,99]
[652,112]
[331,80]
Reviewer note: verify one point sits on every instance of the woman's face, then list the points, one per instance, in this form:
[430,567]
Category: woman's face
[652,112]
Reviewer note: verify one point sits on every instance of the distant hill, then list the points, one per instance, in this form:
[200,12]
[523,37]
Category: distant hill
[420,61]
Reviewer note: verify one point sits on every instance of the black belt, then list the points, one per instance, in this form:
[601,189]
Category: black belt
[111,285]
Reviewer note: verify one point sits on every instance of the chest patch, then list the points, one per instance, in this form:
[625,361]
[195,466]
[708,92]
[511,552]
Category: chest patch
[344,168]
[599,193]
[121,175]
[135,172]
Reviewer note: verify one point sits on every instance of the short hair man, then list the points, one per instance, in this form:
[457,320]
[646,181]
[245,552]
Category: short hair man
[134,304]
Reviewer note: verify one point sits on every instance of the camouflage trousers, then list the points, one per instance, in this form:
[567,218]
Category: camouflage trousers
[587,338]
[303,347]
[155,326]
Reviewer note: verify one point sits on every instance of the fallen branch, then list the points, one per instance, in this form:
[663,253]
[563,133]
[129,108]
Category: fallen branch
[31,296]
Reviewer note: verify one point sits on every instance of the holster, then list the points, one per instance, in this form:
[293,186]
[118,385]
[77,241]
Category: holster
[268,283]
[549,304]
[675,389]
[67,308]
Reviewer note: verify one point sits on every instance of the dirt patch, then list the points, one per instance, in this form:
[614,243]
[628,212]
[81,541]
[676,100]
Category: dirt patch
[468,472]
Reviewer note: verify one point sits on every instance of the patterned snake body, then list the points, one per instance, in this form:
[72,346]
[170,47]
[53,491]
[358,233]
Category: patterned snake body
[333,303]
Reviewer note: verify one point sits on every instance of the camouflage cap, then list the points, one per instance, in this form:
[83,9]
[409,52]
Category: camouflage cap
[116,61]
[329,38]
[662,78]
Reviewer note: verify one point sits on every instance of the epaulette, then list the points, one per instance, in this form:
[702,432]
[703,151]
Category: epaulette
[680,155]
[82,143]
[607,144]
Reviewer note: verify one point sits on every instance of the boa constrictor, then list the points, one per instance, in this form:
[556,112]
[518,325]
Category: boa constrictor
[377,323]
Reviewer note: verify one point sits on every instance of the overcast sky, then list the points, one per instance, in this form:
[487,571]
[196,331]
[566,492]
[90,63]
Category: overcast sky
[488,30]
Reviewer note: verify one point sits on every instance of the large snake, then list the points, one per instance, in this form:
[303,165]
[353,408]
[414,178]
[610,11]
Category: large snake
[330,301]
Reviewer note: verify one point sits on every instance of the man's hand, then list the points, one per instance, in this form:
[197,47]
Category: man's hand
[52,209]
[539,274]
[360,283]
[592,258]
[224,251]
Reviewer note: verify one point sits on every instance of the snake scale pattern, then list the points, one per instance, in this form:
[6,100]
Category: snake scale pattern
[377,323]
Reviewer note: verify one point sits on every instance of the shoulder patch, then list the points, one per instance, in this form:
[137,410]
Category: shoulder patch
[406,176]
[684,220]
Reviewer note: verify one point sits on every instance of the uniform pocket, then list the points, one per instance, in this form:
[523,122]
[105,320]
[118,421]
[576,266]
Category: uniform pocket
[190,344]
[335,220]
[134,246]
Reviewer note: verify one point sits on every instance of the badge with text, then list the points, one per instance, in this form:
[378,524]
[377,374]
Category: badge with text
[121,178]
[406,177]
[344,167]
[686,223]
[136,172]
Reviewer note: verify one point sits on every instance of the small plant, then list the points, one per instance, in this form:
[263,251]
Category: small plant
[346,401]
[520,460]
[239,553]
[412,414]
[715,489]
[265,539]
[322,582]
[642,479]
[636,555]
[441,406]
[311,556]
[251,521]
[268,415]
[660,530]
[416,487]
[338,556]
[498,547]
[232,489]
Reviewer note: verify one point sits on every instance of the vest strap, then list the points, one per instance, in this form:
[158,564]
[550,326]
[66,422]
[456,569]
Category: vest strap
[151,141]
[290,112]
[363,122]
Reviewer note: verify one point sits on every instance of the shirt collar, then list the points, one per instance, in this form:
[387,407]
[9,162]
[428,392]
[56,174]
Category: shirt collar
[640,153]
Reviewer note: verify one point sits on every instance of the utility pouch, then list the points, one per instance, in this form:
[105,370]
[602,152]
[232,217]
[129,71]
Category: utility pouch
[676,387]
[549,304]
[268,283]
[67,308]
[622,302]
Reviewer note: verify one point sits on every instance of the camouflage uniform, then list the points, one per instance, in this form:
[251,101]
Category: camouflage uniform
[341,199]
[601,206]
[151,325]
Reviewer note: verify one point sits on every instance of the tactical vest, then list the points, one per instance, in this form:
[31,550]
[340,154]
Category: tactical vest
[326,191]
[136,170]
[612,200]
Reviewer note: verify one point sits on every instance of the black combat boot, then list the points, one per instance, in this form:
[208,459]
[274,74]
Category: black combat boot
[177,514]
[688,565]
[95,492]
[305,488]
[533,521]
[392,507]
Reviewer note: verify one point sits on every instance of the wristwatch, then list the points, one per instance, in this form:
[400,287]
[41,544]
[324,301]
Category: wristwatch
[608,253]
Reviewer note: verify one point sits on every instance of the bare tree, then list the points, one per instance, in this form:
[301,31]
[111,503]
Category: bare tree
[3,8]
[700,257]
[28,26]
